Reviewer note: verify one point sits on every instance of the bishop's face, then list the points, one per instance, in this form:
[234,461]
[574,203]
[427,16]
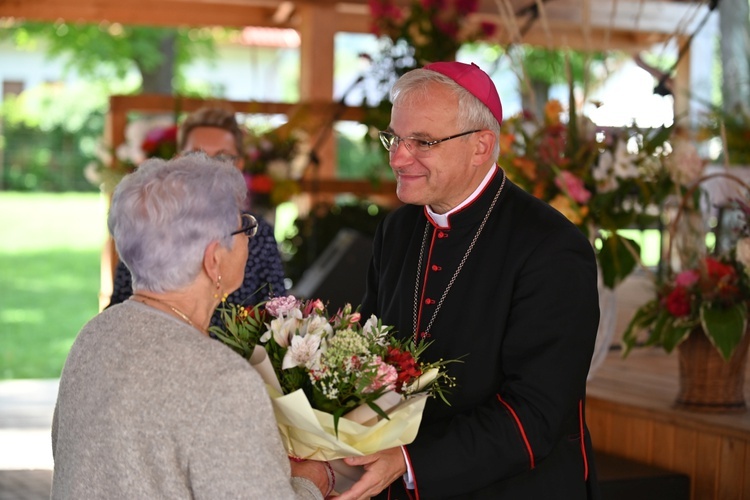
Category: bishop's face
[445,174]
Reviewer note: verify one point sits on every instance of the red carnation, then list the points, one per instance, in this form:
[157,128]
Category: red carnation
[678,302]
[717,270]
[405,365]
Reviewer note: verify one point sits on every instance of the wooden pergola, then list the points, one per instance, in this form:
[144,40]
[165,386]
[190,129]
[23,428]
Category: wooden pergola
[628,25]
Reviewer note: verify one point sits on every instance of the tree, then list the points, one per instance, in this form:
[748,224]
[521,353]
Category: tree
[110,50]
[540,68]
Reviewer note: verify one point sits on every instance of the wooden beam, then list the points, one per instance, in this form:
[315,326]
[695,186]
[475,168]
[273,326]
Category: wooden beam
[621,24]
[143,12]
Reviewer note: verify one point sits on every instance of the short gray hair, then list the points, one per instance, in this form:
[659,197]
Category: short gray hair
[165,214]
[472,113]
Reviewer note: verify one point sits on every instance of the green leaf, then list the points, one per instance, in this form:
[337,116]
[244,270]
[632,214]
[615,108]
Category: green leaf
[672,335]
[724,326]
[616,260]
[644,317]
[378,410]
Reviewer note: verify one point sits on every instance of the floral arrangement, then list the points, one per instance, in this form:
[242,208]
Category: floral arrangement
[601,180]
[276,160]
[144,138]
[425,31]
[711,293]
[433,30]
[340,374]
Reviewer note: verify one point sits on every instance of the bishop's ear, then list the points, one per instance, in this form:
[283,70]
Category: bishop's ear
[485,145]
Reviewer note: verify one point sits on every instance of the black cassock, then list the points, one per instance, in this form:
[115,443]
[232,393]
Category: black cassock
[523,313]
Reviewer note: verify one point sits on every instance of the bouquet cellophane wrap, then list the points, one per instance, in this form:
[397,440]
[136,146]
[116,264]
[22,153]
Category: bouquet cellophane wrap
[309,433]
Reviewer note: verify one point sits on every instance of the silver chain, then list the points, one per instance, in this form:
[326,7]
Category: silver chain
[458,269]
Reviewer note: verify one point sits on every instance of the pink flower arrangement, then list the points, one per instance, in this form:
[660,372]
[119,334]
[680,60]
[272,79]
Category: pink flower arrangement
[601,180]
[713,295]
[426,30]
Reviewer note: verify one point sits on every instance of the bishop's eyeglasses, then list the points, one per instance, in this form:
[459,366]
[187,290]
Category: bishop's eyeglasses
[414,145]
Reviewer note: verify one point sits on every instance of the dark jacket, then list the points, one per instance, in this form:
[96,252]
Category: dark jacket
[524,313]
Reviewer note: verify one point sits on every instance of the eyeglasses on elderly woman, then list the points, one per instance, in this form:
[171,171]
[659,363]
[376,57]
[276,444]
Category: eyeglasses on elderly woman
[249,226]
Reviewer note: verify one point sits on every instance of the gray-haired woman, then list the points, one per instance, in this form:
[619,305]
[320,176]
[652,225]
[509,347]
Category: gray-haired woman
[149,405]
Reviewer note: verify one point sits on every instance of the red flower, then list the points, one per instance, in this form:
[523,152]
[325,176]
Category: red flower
[488,28]
[160,142]
[405,364]
[261,184]
[465,7]
[678,302]
[718,271]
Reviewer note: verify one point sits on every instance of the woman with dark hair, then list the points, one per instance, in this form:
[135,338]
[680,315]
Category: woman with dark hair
[215,132]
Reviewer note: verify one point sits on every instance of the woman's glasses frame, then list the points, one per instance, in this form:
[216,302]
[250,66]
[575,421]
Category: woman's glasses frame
[249,226]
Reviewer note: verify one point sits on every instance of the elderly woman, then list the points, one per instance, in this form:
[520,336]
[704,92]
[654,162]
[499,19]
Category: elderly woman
[149,405]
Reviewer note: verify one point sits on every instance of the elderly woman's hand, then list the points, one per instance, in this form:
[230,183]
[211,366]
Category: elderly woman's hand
[320,473]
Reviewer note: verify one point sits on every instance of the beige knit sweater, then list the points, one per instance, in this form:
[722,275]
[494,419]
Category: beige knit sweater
[150,408]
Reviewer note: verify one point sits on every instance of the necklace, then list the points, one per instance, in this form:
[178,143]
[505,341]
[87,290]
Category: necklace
[174,309]
[458,269]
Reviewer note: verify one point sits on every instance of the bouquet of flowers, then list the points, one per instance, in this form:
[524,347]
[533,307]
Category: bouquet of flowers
[602,180]
[338,389]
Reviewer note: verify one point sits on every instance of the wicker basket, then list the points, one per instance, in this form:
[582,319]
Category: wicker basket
[708,383]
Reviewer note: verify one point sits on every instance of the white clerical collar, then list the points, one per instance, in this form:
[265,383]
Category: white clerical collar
[442,219]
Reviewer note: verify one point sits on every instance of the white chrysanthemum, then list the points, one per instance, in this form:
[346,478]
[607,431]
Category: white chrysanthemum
[303,351]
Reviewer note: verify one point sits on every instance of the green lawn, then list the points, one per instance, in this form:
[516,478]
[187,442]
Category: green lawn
[50,247]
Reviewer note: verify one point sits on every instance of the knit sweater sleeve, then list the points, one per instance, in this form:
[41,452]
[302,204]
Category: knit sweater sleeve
[236,451]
